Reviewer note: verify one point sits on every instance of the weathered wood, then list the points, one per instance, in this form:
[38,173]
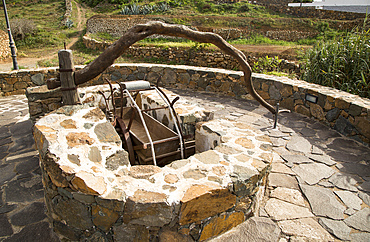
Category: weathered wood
[68,86]
[142,31]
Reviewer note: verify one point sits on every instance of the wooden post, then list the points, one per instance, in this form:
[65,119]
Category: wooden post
[68,86]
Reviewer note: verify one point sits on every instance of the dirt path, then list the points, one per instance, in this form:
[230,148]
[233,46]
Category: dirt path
[31,63]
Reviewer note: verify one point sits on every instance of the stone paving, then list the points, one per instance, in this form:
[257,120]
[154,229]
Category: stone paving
[318,190]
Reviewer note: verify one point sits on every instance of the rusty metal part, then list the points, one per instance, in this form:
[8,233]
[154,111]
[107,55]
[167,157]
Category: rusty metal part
[127,143]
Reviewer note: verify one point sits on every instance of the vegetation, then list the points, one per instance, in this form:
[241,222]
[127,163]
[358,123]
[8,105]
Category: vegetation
[342,63]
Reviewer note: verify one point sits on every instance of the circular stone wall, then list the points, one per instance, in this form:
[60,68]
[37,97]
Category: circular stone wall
[92,191]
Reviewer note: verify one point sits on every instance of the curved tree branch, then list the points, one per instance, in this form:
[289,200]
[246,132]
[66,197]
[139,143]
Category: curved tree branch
[142,31]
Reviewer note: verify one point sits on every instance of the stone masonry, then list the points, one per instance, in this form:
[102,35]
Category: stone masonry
[347,113]
[90,185]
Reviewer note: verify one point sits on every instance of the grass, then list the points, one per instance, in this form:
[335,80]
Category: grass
[342,63]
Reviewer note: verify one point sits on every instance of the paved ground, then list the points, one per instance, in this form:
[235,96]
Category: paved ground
[318,189]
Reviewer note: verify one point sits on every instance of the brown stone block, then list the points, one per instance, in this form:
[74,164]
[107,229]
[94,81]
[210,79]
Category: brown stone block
[328,106]
[69,124]
[95,115]
[76,139]
[143,171]
[344,114]
[147,208]
[302,110]
[246,143]
[221,224]
[103,218]
[363,124]
[131,232]
[317,111]
[200,202]
[264,95]
[288,103]
[286,91]
[167,235]
[20,85]
[341,104]
[54,171]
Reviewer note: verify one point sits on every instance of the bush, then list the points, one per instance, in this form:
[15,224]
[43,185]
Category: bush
[342,63]
[21,28]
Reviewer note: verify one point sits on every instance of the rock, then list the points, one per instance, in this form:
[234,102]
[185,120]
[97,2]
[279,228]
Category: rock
[103,218]
[5,227]
[35,232]
[168,235]
[94,154]
[354,168]
[200,202]
[7,173]
[317,111]
[344,181]
[323,202]
[296,159]
[24,190]
[220,224]
[332,114]
[106,133]
[171,178]
[194,174]
[73,212]
[360,237]
[208,157]
[38,79]
[280,210]
[76,139]
[288,195]
[313,173]
[282,180]
[365,197]
[68,124]
[148,209]
[349,199]
[143,171]
[131,232]
[245,143]
[88,183]
[322,159]
[255,229]
[281,168]
[360,220]
[305,227]
[94,115]
[338,228]
[120,158]
[31,214]
[365,186]
[299,144]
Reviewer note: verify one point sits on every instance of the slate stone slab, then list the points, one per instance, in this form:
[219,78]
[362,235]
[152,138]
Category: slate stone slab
[345,181]
[6,173]
[254,229]
[289,195]
[306,228]
[323,202]
[24,143]
[7,208]
[296,159]
[282,180]
[365,197]
[354,168]
[24,190]
[336,227]
[5,226]
[360,220]
[34,232]
[281,168]
[31,214]
[299,144]
[349,199]
[29,164]
[365,186]
[322,159]
[360,237]
[313,173]
[281,210]
[21,128]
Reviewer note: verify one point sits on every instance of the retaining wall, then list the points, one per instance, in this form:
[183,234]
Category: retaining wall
[347,113]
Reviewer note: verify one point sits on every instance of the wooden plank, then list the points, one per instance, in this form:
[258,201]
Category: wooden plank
[68,86]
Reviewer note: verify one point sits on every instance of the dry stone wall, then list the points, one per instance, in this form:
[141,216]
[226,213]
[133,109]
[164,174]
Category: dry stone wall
[349,114]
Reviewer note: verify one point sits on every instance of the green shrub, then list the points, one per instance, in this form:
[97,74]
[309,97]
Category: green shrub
[342,63]
[266,64]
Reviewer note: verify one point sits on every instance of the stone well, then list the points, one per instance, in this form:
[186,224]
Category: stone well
[92,191]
